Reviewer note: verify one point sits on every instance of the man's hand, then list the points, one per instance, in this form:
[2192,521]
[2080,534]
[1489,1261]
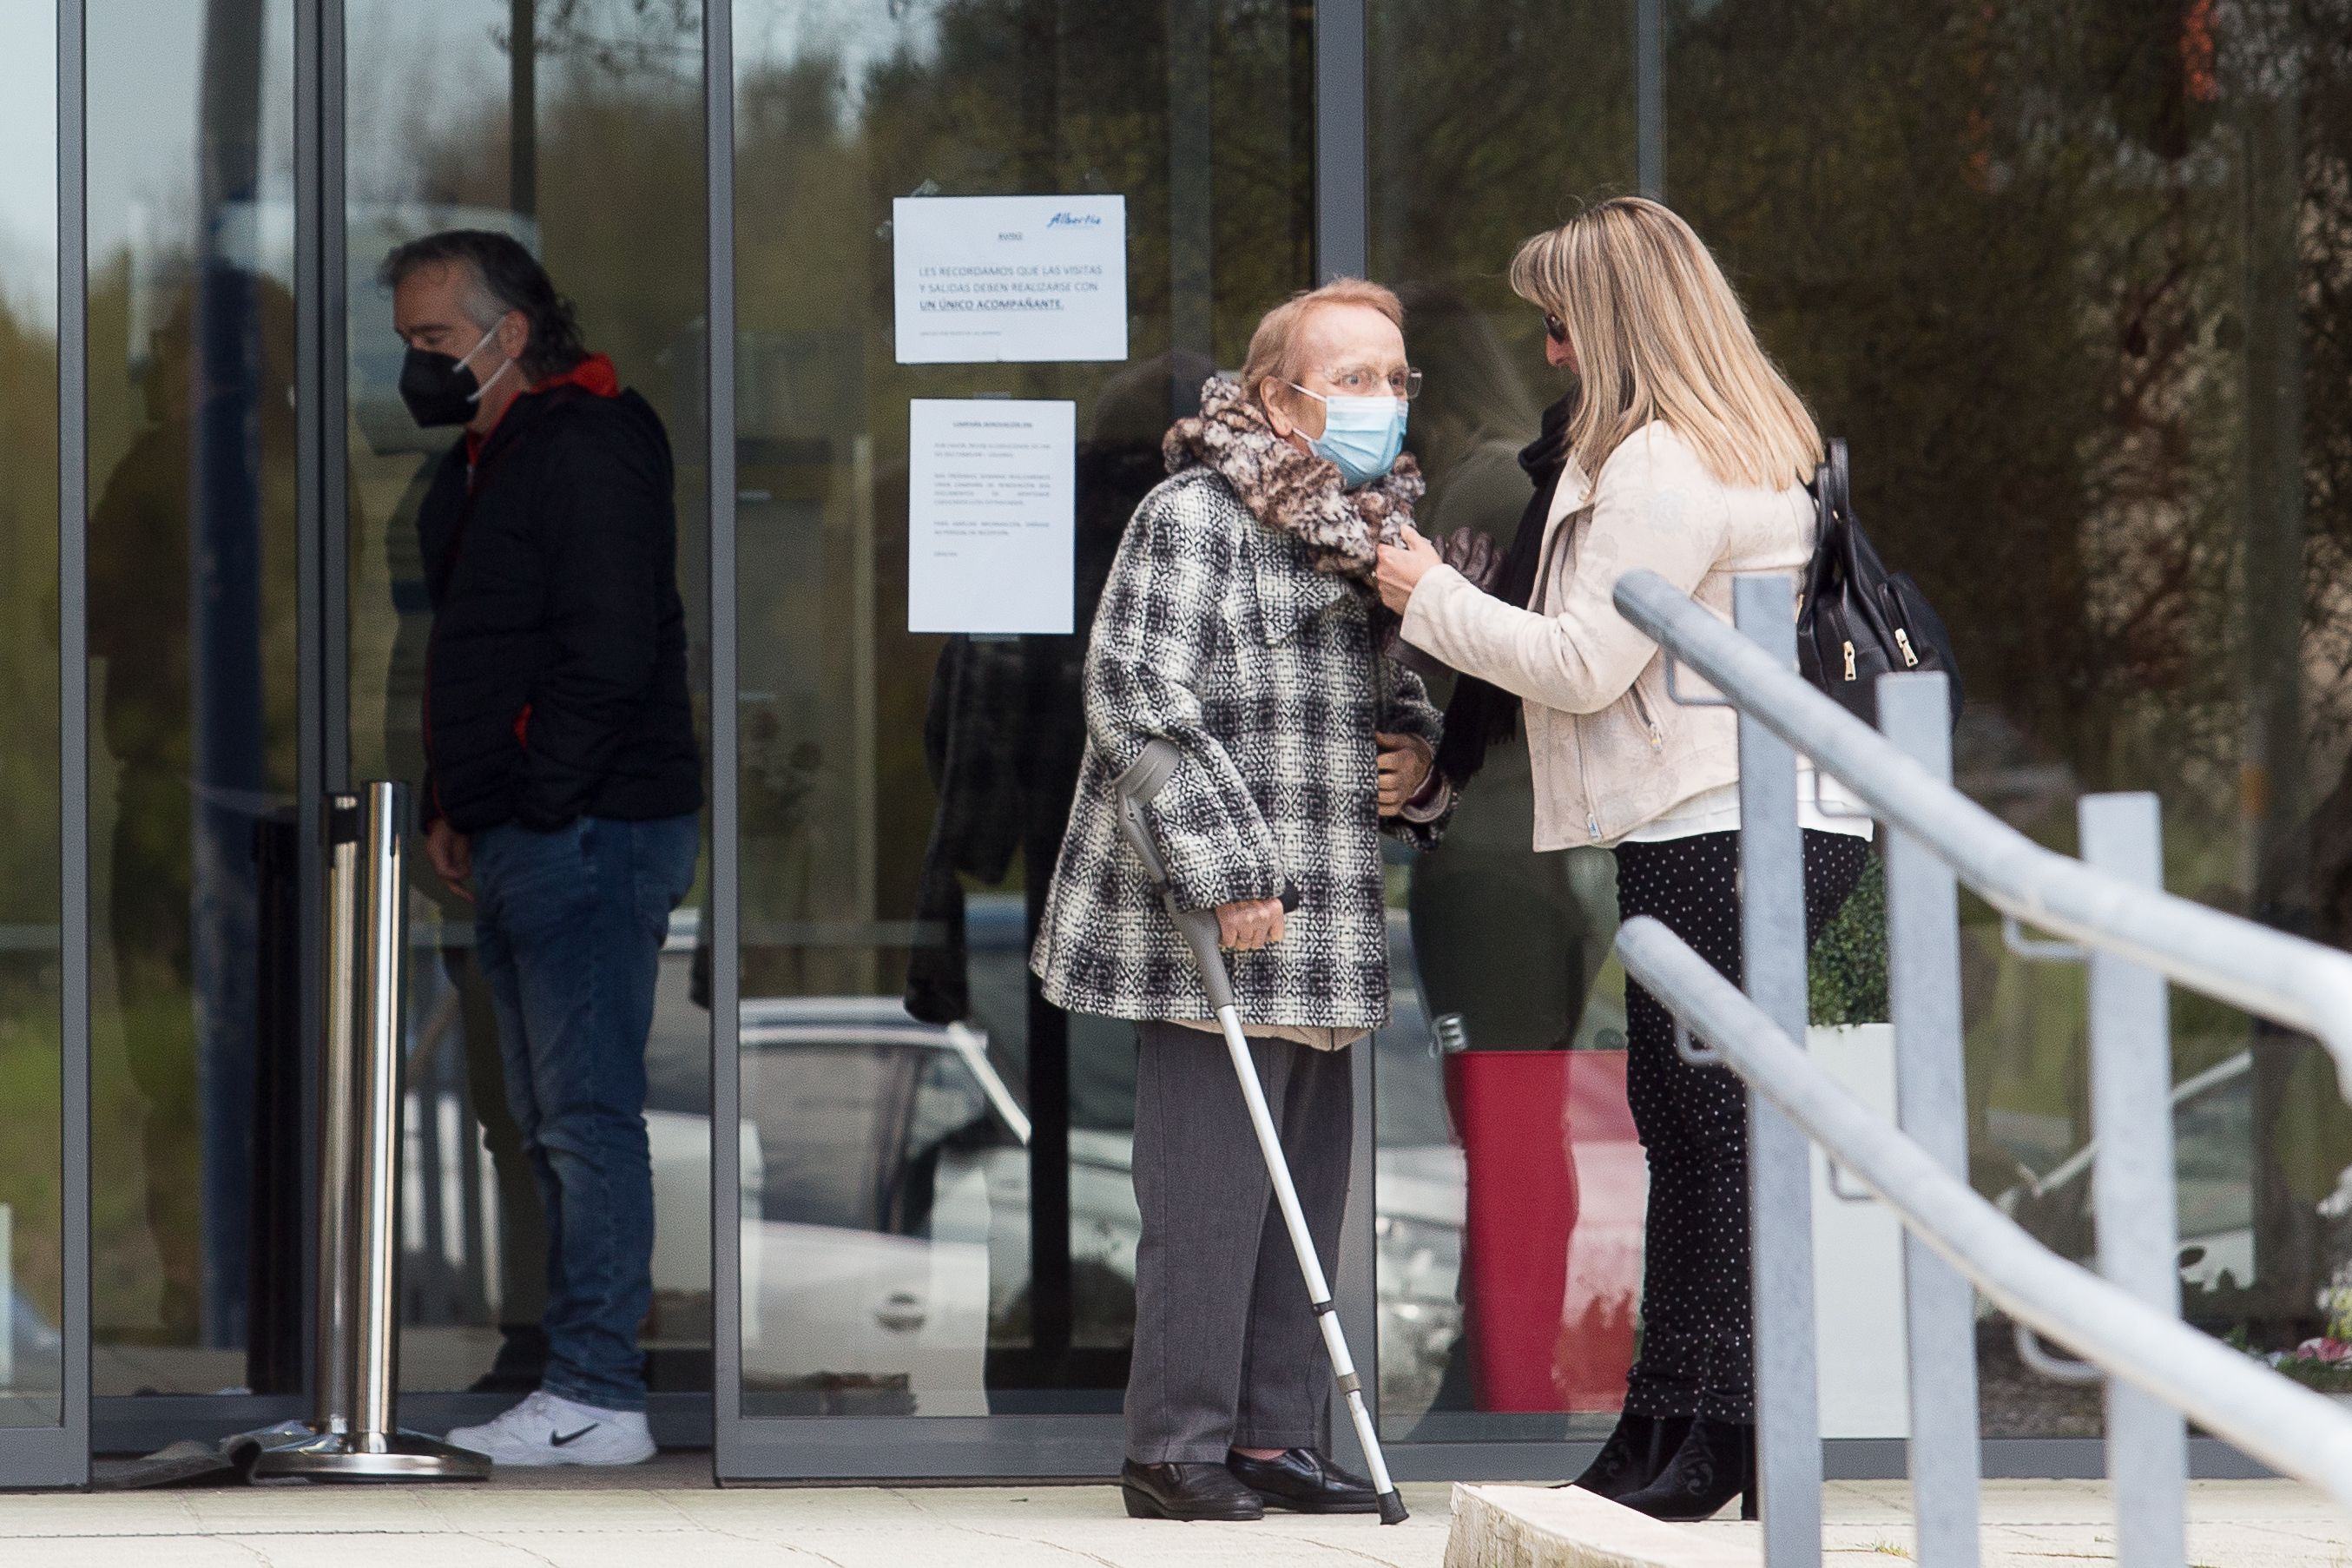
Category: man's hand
[452,854]
[1249,924]
[1404,768]
[1402,568]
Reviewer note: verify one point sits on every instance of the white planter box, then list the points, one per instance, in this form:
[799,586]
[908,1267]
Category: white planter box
[1858,1260]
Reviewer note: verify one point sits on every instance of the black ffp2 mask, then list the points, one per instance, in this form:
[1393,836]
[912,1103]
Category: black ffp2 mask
[441,389]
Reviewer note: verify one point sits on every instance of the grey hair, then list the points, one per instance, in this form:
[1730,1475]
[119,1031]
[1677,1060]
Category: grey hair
[500,276]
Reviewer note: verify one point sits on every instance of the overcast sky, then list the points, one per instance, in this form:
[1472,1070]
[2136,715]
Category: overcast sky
[28,162]
[145,56]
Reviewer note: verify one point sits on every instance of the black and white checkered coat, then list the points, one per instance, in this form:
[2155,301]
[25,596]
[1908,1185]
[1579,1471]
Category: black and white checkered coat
[1218,634]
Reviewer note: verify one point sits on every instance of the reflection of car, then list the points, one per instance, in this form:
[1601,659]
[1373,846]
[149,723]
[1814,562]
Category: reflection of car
[886,1210]
[1420,1234]
[2211,1119]
[866,1209]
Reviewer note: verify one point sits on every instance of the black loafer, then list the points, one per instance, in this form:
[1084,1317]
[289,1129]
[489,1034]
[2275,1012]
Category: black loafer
[1304,1481]
[1186,1491]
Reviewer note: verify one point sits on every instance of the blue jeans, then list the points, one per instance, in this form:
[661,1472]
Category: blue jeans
[569,928]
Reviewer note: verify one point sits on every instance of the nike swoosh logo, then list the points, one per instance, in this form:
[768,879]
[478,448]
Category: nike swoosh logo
[561,1439]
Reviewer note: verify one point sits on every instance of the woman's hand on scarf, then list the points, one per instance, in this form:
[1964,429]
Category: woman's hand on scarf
[1403,567]
[1249,924]
[1404,768]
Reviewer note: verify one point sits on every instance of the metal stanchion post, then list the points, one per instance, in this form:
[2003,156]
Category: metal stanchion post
[337,1117]
[354,1428]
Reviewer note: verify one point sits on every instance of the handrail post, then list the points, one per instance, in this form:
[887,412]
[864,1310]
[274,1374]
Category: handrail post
[2133,1184]
[1923,980]
[1780,1163]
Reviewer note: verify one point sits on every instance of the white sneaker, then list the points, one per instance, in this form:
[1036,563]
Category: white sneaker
[549,1429]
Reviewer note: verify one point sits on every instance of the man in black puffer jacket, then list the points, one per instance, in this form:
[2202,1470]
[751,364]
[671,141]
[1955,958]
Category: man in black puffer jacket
[565,782]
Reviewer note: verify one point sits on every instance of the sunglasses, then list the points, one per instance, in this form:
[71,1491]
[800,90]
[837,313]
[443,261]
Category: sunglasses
[1554,329]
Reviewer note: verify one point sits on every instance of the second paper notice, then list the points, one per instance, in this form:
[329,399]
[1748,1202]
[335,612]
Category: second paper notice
[990,515]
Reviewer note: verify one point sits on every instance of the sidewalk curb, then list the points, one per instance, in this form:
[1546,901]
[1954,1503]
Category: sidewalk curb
[1568,1527]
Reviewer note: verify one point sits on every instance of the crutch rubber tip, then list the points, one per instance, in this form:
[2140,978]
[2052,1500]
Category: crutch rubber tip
[1392,1508]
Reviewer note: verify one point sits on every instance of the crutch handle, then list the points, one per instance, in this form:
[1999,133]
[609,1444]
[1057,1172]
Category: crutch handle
[1134,790]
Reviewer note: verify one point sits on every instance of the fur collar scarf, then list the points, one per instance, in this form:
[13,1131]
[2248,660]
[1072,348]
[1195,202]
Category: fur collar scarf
[1289,490]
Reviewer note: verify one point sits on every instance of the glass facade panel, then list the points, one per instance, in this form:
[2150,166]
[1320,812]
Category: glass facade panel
[2071,280]
[937,1218]
[2089,346]
[193,676]
[1472,146]
[578,129]
[32,1174]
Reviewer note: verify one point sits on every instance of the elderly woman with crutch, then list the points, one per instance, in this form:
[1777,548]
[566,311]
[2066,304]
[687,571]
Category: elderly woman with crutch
[1240,628]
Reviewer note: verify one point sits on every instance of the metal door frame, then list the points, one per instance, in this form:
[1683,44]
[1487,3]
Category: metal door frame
[58,1455]
[835,1447]
[137,1423]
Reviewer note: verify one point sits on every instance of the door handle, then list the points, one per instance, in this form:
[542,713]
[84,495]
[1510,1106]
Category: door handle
[901,1312]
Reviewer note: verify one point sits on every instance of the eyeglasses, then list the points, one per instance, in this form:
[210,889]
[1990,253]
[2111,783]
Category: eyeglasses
[1554,329]
[1403,383]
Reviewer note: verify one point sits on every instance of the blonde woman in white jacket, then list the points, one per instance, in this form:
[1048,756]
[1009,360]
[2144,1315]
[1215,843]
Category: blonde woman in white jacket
[1693,470]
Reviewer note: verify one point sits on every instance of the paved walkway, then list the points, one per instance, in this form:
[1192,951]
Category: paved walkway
[668,1515]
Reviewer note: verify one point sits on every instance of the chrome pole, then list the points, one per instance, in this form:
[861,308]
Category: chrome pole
[355,1432]
[338,1109]
[377,947]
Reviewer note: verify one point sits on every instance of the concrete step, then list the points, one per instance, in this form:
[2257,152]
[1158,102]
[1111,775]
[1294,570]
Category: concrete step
[1568,1527]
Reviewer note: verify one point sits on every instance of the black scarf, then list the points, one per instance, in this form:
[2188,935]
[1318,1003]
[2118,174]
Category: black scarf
[1480,713]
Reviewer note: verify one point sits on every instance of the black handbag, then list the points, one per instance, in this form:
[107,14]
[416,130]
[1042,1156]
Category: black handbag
[1858,620]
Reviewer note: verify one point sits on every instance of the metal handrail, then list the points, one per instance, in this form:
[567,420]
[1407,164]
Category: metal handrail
[2291,1429]
[2284,978]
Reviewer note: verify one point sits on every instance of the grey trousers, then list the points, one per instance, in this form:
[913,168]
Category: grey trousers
[1227,1351]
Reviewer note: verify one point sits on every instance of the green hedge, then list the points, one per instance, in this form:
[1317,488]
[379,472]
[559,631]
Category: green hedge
[1848,978]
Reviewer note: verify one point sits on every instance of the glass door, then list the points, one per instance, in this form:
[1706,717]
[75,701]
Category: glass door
[194,586]
[576,129]
[930,1266]
[44,1043]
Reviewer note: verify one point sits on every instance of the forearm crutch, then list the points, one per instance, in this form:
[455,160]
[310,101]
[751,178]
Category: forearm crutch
[1135,789]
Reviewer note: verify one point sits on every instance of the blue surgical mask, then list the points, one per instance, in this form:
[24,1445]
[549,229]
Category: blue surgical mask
[1361,436]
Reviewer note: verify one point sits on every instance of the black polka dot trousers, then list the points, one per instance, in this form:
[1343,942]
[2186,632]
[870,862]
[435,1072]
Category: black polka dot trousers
[1698,1353]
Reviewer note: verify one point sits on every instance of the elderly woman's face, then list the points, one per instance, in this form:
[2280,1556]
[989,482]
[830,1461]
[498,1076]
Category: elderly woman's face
[1344,351]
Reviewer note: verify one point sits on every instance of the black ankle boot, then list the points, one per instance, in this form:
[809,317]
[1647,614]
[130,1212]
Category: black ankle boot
[1716,1463]
[1636,1451]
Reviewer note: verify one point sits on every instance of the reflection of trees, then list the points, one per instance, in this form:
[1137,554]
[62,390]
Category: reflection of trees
[28,612]
[1488,120]
[2076,280]
[2016,254]
[2013,251]
[30,1057]
[149,527]
[984,97]
[979,96]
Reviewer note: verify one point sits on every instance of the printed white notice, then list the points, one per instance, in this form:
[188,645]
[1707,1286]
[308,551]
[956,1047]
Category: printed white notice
[984,279]
[990,521]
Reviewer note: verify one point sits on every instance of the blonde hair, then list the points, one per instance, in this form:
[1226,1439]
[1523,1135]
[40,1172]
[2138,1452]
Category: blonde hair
[1650,315]
[1274,347]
